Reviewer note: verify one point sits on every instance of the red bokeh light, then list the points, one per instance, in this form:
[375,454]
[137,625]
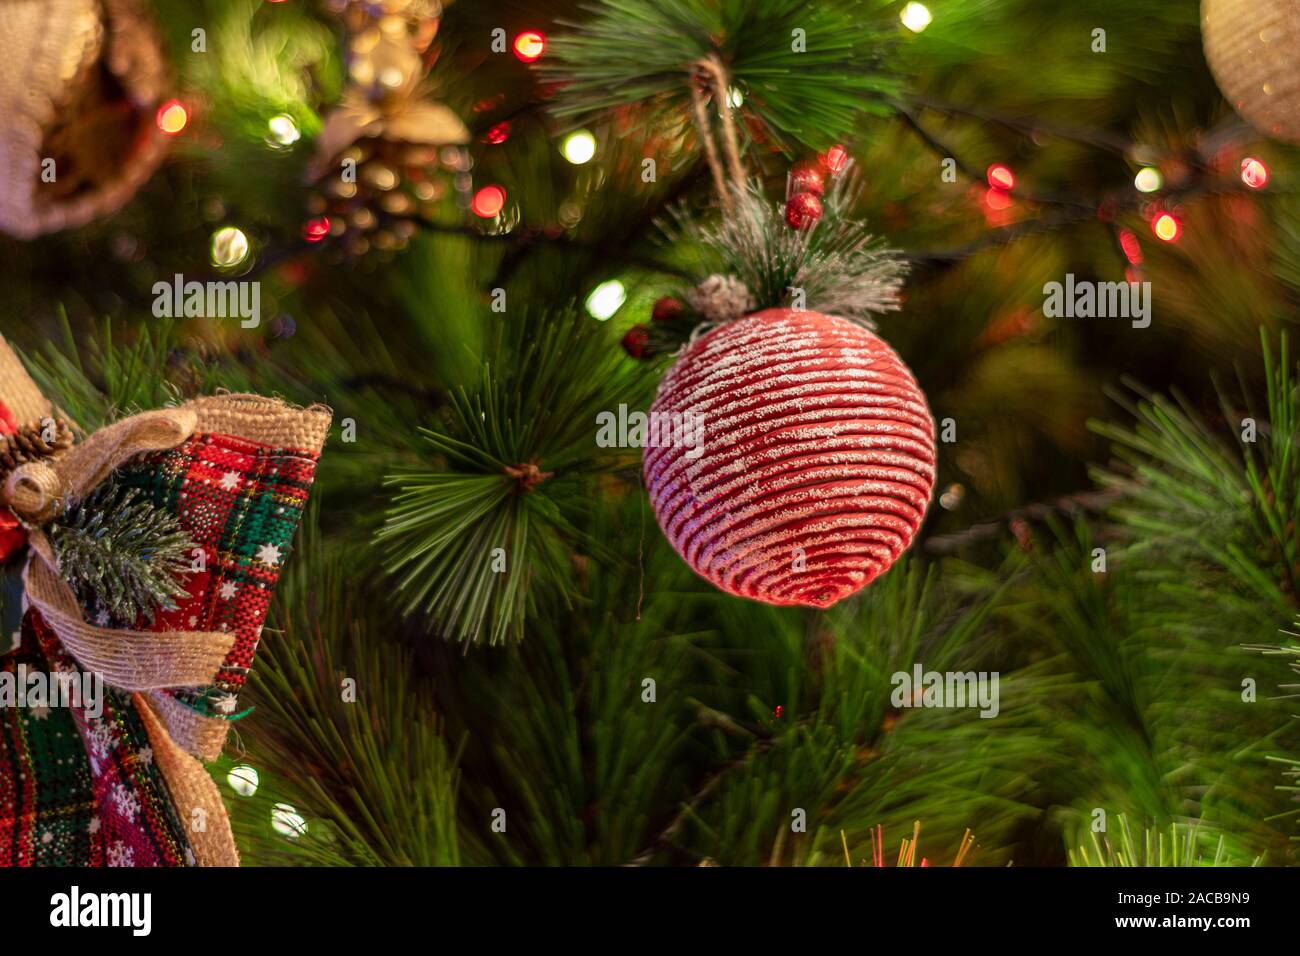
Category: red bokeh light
[835,159]
[1128,241]
[1166,227]
[1001,177]
[172,117]
[497,134]
[488,202]
[530,45]
[997,199]
[1254,173]
[314,230]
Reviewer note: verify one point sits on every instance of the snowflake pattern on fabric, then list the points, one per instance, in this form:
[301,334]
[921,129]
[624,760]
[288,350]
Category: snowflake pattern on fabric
[119,854]
[241,523]
[100,739]
[74,787]
[126,803]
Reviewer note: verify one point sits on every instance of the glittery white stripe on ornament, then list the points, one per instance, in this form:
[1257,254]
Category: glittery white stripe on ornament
[818,458]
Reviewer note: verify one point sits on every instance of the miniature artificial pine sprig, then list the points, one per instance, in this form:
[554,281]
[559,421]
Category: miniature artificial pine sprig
[836,266]
[121,554]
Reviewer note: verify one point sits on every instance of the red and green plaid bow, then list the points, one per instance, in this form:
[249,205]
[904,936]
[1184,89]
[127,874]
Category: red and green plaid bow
[124,787]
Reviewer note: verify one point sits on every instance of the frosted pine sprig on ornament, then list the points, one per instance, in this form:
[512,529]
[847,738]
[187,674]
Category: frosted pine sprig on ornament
[121,554]
[827,262]
[806,253]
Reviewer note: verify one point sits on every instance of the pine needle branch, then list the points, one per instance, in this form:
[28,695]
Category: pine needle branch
[494,519]
[343,729]
[1180,844]
[807,72]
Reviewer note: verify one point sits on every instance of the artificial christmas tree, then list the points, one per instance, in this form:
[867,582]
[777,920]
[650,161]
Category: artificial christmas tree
[482,651]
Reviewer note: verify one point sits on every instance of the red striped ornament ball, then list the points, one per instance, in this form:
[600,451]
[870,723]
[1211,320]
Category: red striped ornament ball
[817,459]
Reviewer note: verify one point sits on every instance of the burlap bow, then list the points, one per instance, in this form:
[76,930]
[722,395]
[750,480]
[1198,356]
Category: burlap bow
[80,81]
[141,663]
[38,491]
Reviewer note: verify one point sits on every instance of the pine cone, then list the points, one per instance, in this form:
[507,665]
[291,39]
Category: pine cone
[386,126]
[29,444]
[721,298]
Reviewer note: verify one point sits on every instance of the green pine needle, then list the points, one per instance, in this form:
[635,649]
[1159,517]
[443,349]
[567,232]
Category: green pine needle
[629,52]
[121,554]
[468,543]
[99,374]
[1222,500]
[343,729]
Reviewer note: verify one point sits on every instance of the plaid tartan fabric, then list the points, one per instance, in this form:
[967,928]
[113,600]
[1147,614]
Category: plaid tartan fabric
[241,503]
[76,790]
[45,784]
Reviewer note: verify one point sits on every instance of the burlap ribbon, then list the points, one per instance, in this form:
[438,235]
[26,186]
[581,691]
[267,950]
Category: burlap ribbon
[37,491]
[85,71]
[138,662]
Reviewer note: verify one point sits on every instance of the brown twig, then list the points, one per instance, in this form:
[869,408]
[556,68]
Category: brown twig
[995,527]
[699,107]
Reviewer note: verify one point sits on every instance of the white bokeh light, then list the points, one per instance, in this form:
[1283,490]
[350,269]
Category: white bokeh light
[606,299]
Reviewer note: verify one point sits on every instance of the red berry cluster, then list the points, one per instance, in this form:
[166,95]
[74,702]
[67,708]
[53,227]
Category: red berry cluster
[667,310]
[635,341]
[803,210]
[803,207]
